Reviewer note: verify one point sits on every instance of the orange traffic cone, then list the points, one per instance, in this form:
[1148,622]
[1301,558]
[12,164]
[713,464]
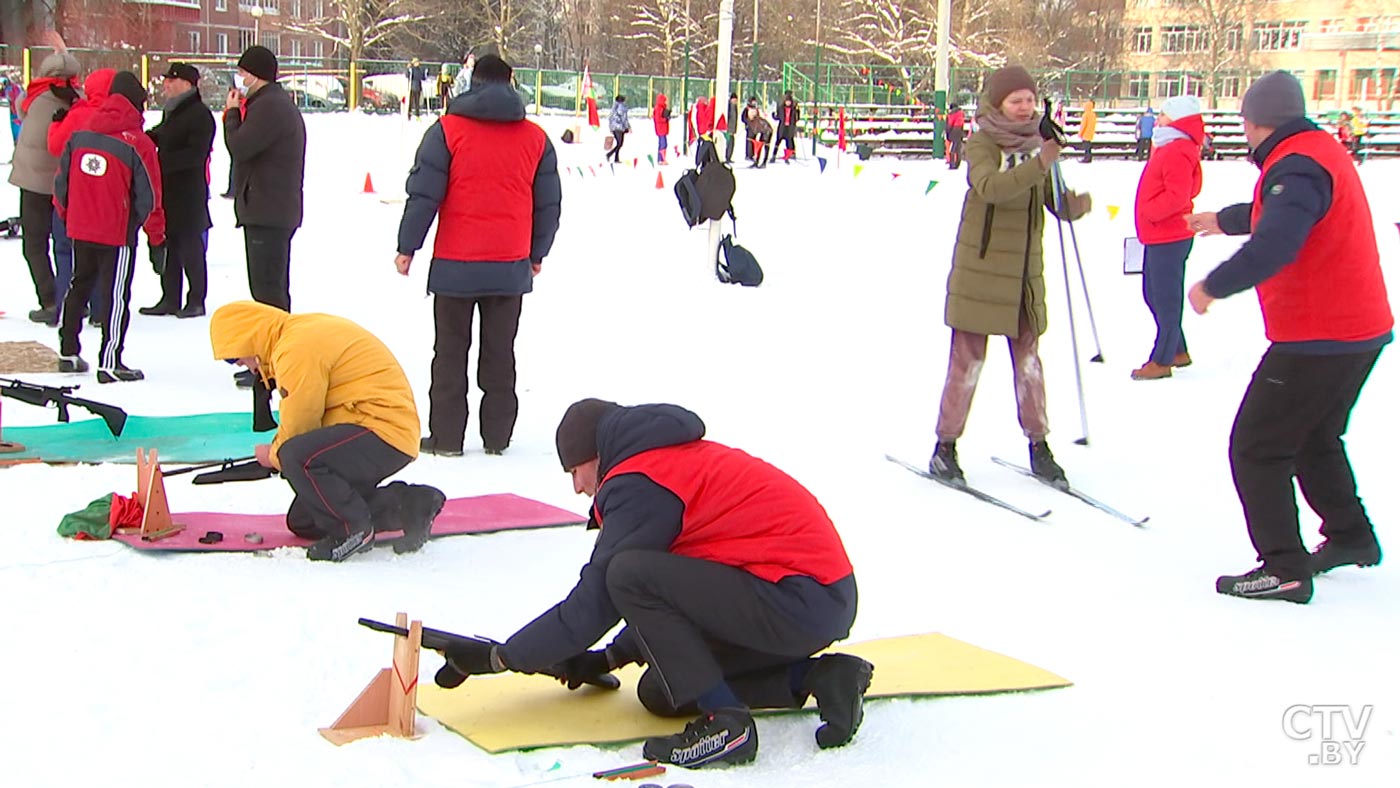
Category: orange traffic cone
[660,184]
[369,185]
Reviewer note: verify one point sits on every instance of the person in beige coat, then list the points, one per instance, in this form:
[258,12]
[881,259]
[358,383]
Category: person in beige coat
[52,90]
[997,285]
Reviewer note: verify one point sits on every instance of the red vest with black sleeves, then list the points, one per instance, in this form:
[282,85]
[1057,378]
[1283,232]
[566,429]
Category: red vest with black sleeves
[487,215]
[742,512]
[1334,290]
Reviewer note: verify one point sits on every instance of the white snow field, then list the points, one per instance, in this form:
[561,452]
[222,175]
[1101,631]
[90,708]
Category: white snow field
[217,669]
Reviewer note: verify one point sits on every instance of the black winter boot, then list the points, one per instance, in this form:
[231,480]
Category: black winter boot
[1262,583]
[726,737]
[944,463]
[420,507]
[839,682]
[1043,465]
[1329,555]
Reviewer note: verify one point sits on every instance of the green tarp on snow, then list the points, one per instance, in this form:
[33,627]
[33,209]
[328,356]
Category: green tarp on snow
[203,437]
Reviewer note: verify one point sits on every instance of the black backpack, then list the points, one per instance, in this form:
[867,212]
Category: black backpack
[706,192]
[736,265]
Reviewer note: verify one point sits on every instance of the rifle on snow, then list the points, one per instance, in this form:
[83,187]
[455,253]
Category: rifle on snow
[241,469]
[438,640]
[58,397]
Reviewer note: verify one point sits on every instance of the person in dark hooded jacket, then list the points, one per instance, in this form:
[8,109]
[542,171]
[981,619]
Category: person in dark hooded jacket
[728,573]
[108,185]
[491,179]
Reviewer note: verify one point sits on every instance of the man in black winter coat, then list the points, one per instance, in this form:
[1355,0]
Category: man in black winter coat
[490,178]
[184,139]
[266,140]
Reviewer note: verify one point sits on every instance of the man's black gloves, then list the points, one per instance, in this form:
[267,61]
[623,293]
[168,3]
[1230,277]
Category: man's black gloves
[59,114]
[470,658]
[158,258]
[585,668]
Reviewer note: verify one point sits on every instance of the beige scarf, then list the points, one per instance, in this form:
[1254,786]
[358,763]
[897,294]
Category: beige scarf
[1011,136]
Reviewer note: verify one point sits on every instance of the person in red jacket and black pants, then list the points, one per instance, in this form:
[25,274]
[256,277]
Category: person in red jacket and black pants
[728,573]
[108,184]
[661,121]
[491,179]
[1313,260]
[1169,183]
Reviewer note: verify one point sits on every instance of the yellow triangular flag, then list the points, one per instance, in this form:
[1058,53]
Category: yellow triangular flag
[859,167]
[1113,211]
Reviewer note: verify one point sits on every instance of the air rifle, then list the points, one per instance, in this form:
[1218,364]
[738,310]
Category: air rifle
[58,397]
[438,640]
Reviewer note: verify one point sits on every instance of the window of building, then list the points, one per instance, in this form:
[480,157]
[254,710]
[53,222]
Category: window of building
[1142,39]
[1229,86]
[296,9]
[195,42]
[1365,24]
[1277,36]
[1183,38]
[1174,83]
[1234,38]
[1325,86]
[220,5]
[273,42]
[295,45]
[245,39]
[1330,25]
[318,48]
[221,42]
[320,8]
[1139,84]
[270,5]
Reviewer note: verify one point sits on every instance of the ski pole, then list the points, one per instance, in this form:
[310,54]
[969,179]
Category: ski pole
[1084,282]
[1069,305]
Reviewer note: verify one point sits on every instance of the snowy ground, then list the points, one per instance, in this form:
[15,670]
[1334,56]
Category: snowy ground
[217,669]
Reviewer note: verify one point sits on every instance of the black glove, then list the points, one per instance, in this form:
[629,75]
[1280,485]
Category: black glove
[158,258]
[1049,129]
[59,114]
[584,668]
[468,658]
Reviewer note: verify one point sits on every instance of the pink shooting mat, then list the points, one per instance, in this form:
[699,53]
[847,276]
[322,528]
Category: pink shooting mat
[476,515]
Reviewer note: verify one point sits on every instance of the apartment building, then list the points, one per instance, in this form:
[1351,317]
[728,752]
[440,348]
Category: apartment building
[209,28]
[1345,52]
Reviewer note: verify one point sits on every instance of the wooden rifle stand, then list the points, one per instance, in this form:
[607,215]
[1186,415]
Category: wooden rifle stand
[9,448]
[150,494]
[388,704]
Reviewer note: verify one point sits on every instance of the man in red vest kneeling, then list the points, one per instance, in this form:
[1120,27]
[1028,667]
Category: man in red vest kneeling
[1313,260]
[729,576]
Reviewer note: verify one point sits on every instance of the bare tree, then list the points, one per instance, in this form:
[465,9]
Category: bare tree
[662,26]
[1224,40]
[358,25]
[898,33]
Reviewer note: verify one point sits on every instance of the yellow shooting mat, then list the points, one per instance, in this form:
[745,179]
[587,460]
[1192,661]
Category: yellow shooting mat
[514,711]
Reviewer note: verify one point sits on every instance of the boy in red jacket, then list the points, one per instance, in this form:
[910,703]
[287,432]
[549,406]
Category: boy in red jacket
[1169,183]
[661,120]
[108,184]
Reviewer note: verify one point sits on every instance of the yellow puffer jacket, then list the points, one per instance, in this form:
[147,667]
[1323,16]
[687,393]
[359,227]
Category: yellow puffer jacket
[329,370]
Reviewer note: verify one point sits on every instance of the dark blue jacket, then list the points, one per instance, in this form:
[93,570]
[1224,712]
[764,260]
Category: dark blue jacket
[427,187]
[1297,193]
[642,515]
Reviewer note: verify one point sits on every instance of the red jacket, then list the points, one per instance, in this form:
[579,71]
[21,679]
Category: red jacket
[487,213]
[1169,184]
[95,91]
[108,179]
[1334,289]
[742,512]
[661,116]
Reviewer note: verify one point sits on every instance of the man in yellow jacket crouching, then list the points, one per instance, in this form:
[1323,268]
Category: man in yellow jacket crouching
[348,421]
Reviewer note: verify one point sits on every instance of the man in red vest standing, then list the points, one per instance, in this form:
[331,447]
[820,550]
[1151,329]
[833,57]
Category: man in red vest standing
[490,178]
[1313,260]
[727,572]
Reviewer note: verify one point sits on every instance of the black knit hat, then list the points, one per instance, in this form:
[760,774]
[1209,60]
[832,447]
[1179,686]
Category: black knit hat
[127,84]
[260,62]
[577,436]
[491,68]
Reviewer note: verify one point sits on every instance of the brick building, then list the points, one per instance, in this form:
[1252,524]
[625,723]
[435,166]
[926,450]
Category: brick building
[209,28]
[1345,52]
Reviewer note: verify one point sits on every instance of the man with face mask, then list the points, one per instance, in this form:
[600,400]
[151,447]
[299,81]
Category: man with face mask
[266,140]
[183,139]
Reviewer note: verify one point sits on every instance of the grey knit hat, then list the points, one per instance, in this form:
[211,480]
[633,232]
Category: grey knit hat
[58,65]
[1274,100]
